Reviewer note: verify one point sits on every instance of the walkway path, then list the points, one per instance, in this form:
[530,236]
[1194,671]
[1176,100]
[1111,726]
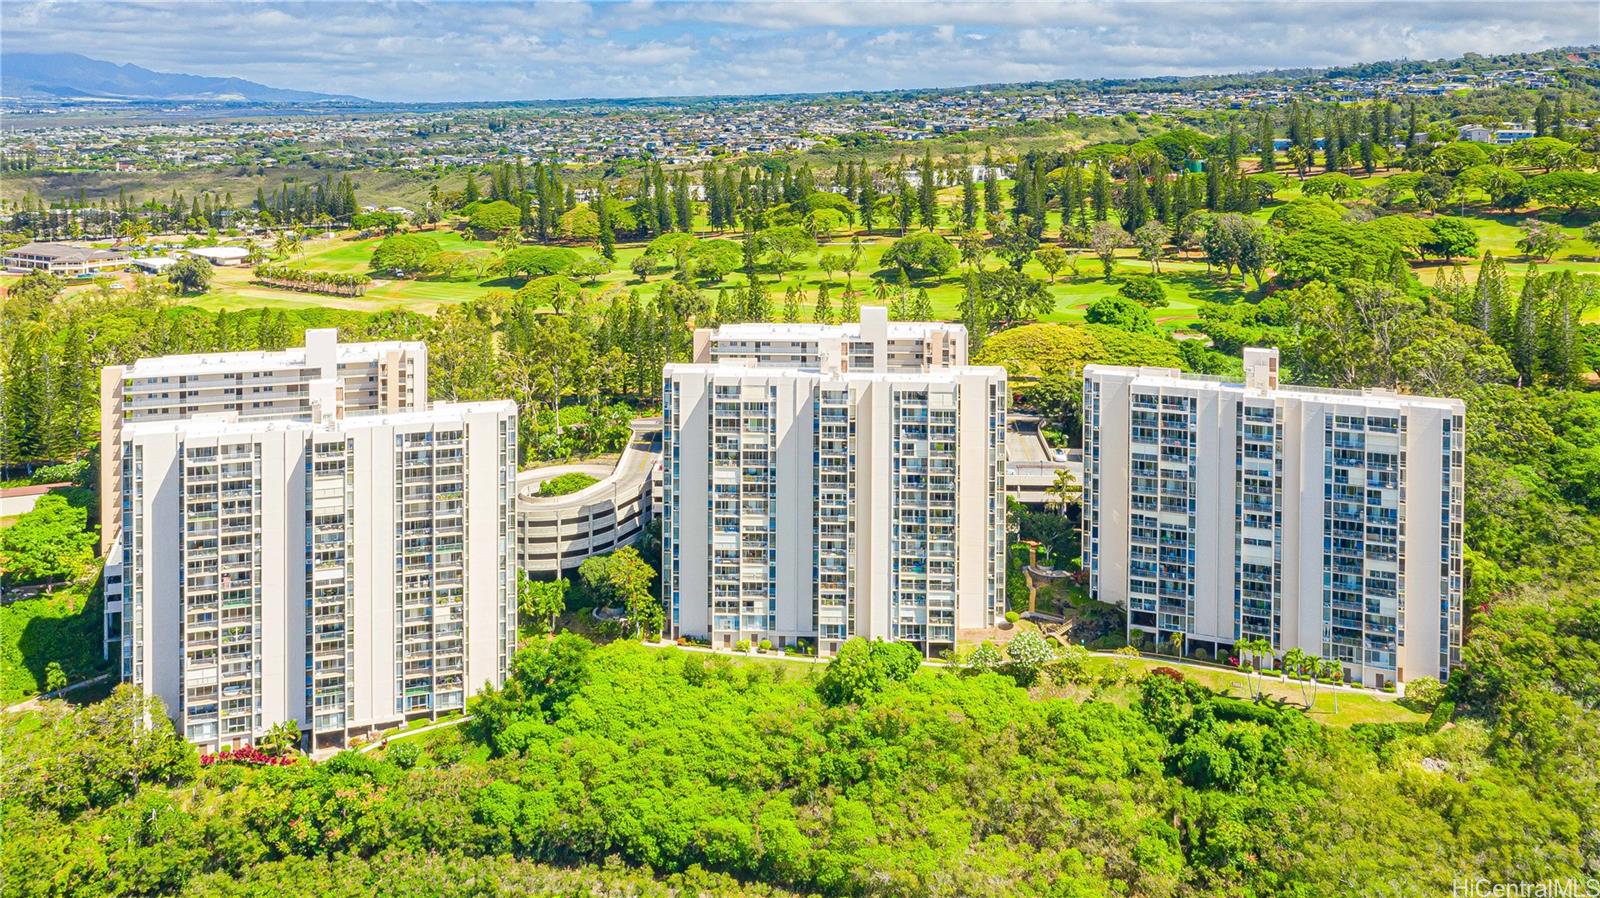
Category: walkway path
[384,740]
[30,703]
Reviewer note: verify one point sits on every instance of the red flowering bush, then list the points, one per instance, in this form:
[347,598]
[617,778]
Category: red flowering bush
[247,754]
[1172,674]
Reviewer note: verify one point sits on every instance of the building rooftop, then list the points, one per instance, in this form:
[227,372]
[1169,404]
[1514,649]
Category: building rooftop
[219,252]
[1172,377]
[227,424]
[63,252]
[748,368]
[230,362]
[852,330]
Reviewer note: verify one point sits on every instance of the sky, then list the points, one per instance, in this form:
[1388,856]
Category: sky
[462,50]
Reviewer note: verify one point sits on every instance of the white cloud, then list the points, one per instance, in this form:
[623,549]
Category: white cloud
[412,50]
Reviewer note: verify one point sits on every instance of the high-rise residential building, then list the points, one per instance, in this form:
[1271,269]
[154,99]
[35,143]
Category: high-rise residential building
[1318,519]
[341,566]
[384,376]
[821,483]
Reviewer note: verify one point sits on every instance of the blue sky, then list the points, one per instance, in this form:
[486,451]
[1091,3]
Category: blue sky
[467,50]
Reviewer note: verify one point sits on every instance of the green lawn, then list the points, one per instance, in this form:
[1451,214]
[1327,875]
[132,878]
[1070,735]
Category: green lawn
[1354,706]
[1187,281]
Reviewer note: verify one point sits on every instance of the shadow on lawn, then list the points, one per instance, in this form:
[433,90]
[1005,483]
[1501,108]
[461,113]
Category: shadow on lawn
[1214,287]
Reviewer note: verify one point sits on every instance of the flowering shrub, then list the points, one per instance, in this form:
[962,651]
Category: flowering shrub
[247,754]
[1172,674]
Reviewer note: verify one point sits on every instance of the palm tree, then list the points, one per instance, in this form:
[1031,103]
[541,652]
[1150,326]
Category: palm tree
[281,738]
[1333,671]
[133,230]
[1065,491]
[287,244]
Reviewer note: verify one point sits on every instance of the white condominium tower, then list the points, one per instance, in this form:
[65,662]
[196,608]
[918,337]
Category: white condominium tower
[343,568]
[389,376]
[826,482]
[1325,520]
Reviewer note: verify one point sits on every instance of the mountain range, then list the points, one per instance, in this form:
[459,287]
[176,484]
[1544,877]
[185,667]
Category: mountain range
[68,76]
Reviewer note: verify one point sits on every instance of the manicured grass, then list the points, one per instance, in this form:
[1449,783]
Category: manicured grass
[1187,280]
[1354,706]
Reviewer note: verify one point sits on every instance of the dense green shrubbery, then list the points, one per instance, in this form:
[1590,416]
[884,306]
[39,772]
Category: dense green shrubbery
[925,783]
[63,627]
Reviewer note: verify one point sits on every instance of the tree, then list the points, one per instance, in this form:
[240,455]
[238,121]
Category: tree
[1454,158]
[1505,188]
[922,254]
[868,199]
[1065,491]
[1571,190]
[1297,661]
[189,275]
[1011,296]
[1525,330]
[1100,194]
[1121,313]
[47,544]
[540,602]
[497,217]
[538,261]
[1451,237]
[281,738]
[822,308]
[927,193]
[905,203]
[286,244]
[579,223]
[1144,290]
[861,669]
[1026,655]
[1104,239]
[713,260]
[852,676]
[1540,239]
[404,254]
[1015,241]
[1052,258]
[831,262]
[1152,238]
[1424,694]
[385,222]
[1591,235]
[784,245]
[622,579]
[1545,153]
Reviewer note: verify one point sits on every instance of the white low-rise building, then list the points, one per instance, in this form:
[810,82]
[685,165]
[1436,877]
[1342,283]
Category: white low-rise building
[63,259]
[221,255]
